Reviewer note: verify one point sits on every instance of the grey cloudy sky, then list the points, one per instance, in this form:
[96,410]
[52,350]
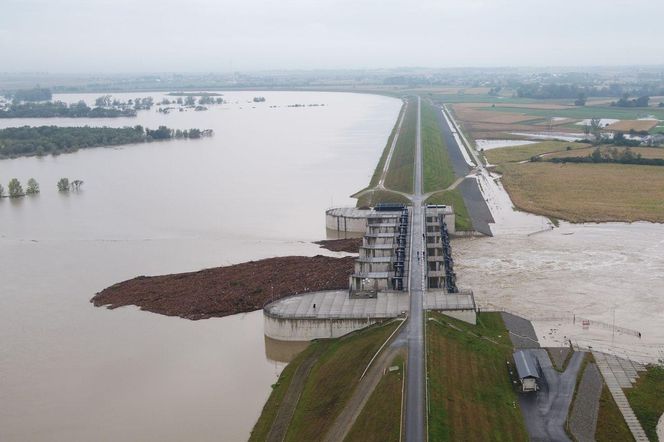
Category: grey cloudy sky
[223,35]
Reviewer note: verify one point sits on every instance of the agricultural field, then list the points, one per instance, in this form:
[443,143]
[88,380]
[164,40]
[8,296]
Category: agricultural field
[470,393]
[583,112]
[587,192]
[527,151]
[628,125]
[646,152]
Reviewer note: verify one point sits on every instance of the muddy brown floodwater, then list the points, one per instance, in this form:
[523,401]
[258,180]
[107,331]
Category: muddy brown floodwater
[591,270]
[257,189]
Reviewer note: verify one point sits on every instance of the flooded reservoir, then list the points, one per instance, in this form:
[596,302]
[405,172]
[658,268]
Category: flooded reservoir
[69,371]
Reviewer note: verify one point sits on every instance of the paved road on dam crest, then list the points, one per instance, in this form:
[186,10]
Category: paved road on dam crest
[416,372]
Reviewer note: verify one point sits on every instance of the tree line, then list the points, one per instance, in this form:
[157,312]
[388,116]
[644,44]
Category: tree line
[612,155]
[52,109]
[44,140]
[15,188]
[34,94]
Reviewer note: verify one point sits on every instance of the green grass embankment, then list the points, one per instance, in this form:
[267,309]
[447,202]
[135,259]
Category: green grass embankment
[453,198]
[611,425]
[437,171]
[400,174]
[470,393]
[264,423]
[647,399]
[373,197]
[381,417]
[386,151]
[333,379]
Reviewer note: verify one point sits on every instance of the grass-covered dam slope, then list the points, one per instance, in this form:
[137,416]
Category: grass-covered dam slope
[326,386]
[470,393]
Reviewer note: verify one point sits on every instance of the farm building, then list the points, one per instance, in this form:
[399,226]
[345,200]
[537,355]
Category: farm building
[526,368]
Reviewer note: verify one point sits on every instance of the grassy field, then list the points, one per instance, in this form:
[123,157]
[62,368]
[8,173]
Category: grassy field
[611,426]
[437,171]
[381,163]
[627,125]
[372,198]
[453,198]
[470,393]
[526,151]
[264,423]
[332,381]
[381,417]
[587,192]
[583,112]
[646,152]
[400,173]
[647,399]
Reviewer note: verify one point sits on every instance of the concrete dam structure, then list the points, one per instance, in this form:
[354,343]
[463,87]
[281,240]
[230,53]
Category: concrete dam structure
[378,287]
[351,220]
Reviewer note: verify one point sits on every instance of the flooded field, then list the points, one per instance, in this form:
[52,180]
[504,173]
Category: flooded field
[495,144]
[257,189]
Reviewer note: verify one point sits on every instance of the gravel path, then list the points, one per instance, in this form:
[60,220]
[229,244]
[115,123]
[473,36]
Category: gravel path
[583,419]
[521,331]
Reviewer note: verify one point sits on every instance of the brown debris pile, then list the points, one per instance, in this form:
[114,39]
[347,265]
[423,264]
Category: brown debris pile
[350,245]
[223,291]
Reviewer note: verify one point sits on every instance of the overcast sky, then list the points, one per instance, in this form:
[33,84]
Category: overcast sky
[224,35]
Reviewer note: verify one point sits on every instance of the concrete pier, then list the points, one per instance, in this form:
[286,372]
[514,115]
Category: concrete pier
[329,314]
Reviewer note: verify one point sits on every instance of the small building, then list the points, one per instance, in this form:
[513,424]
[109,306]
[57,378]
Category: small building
[526,368]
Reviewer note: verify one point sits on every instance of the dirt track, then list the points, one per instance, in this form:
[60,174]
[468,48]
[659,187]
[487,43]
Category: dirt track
[223,291]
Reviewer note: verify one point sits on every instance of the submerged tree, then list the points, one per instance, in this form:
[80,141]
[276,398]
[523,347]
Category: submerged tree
[2,191]
[63,185]
[33,187]
[76,184]
[15,188]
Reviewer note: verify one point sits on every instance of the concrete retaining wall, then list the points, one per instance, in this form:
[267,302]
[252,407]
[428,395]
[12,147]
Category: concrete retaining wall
[300,329]
[468,316]
[342,223]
